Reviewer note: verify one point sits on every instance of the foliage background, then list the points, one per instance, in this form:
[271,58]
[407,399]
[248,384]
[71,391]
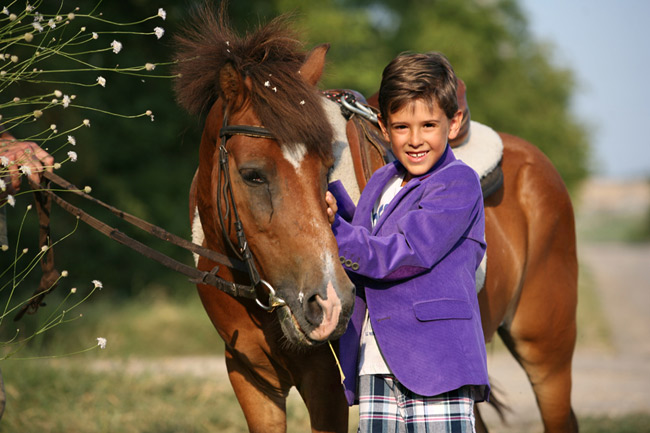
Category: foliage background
[146,167]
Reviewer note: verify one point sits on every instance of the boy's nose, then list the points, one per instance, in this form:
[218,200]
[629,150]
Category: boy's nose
[416,137]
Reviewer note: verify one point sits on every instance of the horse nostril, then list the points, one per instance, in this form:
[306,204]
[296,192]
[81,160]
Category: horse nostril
[313,311]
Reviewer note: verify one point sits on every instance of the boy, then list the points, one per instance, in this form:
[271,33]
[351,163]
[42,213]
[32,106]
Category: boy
[413,353]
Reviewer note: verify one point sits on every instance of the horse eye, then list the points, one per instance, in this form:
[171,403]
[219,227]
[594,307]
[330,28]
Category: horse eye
[252,176]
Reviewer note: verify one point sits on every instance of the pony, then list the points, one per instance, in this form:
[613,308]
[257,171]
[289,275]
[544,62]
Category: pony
[258,195]
[269,144]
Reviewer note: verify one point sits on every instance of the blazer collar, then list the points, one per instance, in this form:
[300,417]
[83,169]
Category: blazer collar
[394,169]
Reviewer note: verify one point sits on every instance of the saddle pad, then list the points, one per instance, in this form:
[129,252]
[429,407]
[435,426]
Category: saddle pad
[482,150]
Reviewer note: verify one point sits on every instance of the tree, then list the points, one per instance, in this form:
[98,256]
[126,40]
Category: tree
[146,167]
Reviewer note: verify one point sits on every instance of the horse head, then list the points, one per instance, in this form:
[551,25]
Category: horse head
[277,178]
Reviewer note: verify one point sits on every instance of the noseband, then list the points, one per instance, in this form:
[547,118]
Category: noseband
[242,249]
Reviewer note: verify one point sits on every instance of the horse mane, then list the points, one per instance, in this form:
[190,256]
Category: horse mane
[271,57]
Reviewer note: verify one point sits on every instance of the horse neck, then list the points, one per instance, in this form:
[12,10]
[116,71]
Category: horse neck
[343,168]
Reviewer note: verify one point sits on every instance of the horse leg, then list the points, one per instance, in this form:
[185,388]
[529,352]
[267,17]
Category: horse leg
[550,377]
[320,387]
[263,404]
[542,334]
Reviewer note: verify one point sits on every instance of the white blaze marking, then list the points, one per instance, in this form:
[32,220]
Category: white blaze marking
[294,154]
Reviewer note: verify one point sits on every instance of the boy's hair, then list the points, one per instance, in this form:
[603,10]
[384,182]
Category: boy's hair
[429,77]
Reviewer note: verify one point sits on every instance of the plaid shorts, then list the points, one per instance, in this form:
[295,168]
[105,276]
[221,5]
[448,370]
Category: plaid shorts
[386,406]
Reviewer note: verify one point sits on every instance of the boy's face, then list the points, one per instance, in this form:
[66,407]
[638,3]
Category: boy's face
[418,135]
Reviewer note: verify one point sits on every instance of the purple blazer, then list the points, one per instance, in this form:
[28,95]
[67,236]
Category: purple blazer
[415,273]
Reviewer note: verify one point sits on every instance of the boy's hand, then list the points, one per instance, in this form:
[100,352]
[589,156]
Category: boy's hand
[332,208]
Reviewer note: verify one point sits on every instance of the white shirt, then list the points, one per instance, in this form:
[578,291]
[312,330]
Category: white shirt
[371,361]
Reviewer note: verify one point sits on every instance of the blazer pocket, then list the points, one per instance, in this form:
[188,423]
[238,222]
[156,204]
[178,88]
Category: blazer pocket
[442,309]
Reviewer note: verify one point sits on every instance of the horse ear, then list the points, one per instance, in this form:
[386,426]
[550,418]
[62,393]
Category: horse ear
[313,67]
[231,84]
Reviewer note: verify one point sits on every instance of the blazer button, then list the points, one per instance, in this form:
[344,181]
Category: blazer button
[355,266]
[348,263]
[342,259]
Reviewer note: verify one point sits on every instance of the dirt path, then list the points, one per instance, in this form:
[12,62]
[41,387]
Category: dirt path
[612,382]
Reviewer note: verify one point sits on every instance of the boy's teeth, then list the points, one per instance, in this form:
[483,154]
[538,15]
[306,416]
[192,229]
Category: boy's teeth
[417,155]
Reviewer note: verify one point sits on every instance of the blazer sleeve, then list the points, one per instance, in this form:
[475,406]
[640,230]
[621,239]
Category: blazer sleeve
[344,202]
[450,209]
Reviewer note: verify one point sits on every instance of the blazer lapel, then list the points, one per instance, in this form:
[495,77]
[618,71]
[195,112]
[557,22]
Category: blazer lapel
[371,193]
[446,159]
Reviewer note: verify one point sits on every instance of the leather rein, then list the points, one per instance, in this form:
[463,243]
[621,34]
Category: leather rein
[244,261]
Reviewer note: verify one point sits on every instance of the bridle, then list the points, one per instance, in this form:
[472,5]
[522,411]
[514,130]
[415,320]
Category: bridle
[243,262]
[224,189]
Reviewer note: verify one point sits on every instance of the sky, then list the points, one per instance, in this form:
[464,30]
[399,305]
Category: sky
[607,46]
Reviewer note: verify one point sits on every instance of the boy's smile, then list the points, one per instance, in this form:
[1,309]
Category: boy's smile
[419,135]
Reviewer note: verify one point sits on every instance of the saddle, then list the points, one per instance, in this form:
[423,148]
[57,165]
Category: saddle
[478,145]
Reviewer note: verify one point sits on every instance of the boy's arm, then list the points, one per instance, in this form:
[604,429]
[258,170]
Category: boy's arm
[450,210]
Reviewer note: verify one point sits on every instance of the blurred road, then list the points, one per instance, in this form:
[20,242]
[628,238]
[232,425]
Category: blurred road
[605,382]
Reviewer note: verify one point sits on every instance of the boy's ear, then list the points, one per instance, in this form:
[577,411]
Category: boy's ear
[383,126]
[454,124]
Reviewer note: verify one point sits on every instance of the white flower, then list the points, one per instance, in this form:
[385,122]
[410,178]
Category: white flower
[37,26]
[102,81]
[71,17]
[95,35]
[161,13]
[73,290]
[58,93]
[72,140]
[14,59]
[53,127]
[37,114]
[148,112]
[4,247]
[86,122]
[25,170]
[159,31]
[38,17]
[28,37]
[267,84]
[11,200]
[149,66]
[101,342]
[4,161]
[13,17]
[72,155]
[51,23]
[275,89]
[3,185]
[44,248]
[117,46]
[66,101]
[56,166]
[302,102]
[6,11]
[64,273]
[87,189]
[97,284]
